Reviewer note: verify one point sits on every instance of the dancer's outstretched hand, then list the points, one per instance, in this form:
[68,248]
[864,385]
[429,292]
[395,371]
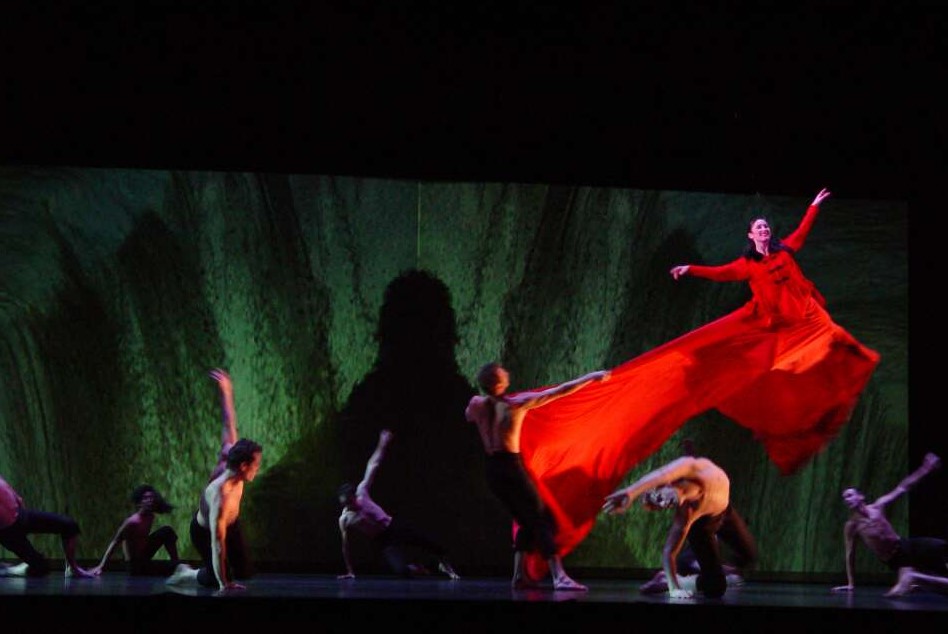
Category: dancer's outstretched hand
[823,195]
[617,502]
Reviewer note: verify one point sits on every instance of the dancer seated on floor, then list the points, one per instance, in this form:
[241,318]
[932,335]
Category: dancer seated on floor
[17,522]
[361,513]
[920,561]
[139,543]
[699,490]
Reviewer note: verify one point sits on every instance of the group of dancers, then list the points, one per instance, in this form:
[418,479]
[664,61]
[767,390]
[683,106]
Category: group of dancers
[557,455]
[215,529]
[566,456]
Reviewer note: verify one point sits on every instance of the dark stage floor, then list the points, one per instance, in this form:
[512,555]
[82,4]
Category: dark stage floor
[471,604]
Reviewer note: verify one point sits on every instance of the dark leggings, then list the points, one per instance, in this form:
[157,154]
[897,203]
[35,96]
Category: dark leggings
[702,537]
[397,537]
[510,482]
[925,554]
[734,533]
[143,564]
[15,537]
[237,558]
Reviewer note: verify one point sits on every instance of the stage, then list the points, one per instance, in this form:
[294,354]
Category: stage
[472,604]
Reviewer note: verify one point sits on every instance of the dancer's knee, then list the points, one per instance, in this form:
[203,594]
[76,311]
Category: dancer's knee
[166,535]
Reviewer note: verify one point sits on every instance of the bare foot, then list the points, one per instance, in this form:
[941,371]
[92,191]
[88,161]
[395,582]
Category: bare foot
[903,586]
[655,585]
[565,583]
[19,570]
[78,573]
[182,573]
[446,568]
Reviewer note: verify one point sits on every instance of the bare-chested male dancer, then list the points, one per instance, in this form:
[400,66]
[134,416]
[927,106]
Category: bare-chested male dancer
[700,492]
[139,543]
[733,532]
[393,537]
[219,509]
[499,419]
[215,527]
[920,561]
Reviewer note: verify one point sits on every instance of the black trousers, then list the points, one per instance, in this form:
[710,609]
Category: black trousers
[15,537]
[509,481]
[237,557]
[703,538]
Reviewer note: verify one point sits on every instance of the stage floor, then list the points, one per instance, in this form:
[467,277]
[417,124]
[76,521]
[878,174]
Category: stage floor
[470,604]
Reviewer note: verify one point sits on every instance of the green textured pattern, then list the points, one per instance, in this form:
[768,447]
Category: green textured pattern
[120,289]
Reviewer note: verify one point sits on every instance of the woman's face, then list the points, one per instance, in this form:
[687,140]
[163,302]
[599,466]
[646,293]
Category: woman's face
[759,230]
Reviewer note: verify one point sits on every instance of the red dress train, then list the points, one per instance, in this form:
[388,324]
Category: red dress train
[778,366]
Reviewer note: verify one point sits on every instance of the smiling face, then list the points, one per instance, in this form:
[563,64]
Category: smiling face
[759,230]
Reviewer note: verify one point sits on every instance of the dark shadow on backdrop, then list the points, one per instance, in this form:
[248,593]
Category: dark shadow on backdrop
[433,474]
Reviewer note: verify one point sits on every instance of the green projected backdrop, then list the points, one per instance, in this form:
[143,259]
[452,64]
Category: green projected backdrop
[343,305]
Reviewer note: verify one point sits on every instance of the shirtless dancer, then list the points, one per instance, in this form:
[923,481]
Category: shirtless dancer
[218,510]
[139,542]
[362,514]
[215,527]
[700,492]
[920,561]
[499,420]
[733,532]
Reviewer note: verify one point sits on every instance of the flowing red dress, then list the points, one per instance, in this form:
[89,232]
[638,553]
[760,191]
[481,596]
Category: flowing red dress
[778,366]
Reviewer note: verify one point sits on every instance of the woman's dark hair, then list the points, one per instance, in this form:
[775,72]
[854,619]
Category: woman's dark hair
[774,245]
[160,506]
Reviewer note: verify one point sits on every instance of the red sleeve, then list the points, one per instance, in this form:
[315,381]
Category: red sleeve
[796,239]
[733,272]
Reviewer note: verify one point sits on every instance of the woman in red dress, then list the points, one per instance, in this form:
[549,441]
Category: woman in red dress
[782,343]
